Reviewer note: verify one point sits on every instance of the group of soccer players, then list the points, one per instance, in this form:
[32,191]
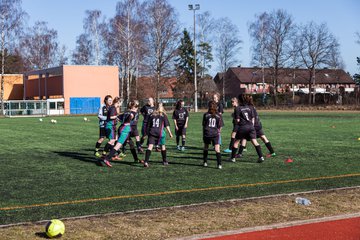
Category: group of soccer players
[246,127]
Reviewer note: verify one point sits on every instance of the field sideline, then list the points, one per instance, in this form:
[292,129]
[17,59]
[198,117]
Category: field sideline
[44,163]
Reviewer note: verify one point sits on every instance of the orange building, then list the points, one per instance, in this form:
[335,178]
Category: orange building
[13,87]
[73,89]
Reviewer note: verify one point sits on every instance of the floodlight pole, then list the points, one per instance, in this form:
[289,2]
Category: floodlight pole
[194,8]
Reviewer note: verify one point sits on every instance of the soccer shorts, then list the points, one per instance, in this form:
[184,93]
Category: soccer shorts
[181,131]
[212,140]
[124,132]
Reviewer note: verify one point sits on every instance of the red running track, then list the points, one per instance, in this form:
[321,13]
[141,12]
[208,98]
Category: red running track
[344,229]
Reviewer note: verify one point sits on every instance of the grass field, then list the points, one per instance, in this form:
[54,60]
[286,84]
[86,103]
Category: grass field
[48,170]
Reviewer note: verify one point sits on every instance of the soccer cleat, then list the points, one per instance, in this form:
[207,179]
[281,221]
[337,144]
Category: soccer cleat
[178,147]
[165,163]
[107,163]
[146,164]
[233,159]
[97,154]
[122,155]
[271,155]
[227,150]
[116,158]
[219,166]
[182,148]
[205,164]
[245,150]
[261,159]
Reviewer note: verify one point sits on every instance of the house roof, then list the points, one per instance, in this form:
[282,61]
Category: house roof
[286,76]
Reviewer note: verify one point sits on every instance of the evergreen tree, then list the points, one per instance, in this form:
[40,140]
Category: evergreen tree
[185,62]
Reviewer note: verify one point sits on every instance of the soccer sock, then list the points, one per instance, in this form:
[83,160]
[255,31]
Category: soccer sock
[231,143]
[241,149]
[108,147]
[218,158]
[163,154]
[258,151]
[205,155]
[138,144]
[97,146]
[147,155]
[133,152]
[183,142]
[112,153]
[233,152]
[269,147]
[177,140]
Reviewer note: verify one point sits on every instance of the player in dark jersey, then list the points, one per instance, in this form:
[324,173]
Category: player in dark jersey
[146,111]
[244,118]
[102,116]
[134,130]
[235,104]
[181,118]
[220,110]
[211,132]
[157,124]
[258,127]
[123,134]
[111,121]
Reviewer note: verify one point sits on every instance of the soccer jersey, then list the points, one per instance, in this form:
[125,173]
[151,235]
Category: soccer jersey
[211,125]
[102,115]
[156,124]
[111,112]
[220,107]
[135,120]
[180,115]
[146,111]
[257,123]
[244,114]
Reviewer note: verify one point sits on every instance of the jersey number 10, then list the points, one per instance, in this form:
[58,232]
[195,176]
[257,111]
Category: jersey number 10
[212,122]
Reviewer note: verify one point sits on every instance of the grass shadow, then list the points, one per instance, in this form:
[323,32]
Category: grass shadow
[80,156]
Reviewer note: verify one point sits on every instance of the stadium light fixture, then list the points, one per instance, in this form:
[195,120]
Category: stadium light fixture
[194,8]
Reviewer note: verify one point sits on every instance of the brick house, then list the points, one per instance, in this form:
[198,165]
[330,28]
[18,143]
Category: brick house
[250,80]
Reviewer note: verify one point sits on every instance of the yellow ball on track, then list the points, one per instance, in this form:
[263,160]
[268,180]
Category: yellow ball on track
[55,228]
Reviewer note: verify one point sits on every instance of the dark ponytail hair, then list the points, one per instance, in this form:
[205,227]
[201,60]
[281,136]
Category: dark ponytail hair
[241,99]
[212,108]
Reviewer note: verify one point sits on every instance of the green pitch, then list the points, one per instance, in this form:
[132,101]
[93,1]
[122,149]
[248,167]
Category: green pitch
[49,171]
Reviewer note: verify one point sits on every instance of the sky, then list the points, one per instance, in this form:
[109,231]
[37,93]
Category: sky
[341,17]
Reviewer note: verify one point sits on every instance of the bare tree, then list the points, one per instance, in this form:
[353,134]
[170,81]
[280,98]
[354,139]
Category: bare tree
[92,29]
[317,46]
[126,37]
[40,47]
[271,34]
[163,37]
[83,52]
[11,19]
[206,27]
[358,37]
[227,46]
